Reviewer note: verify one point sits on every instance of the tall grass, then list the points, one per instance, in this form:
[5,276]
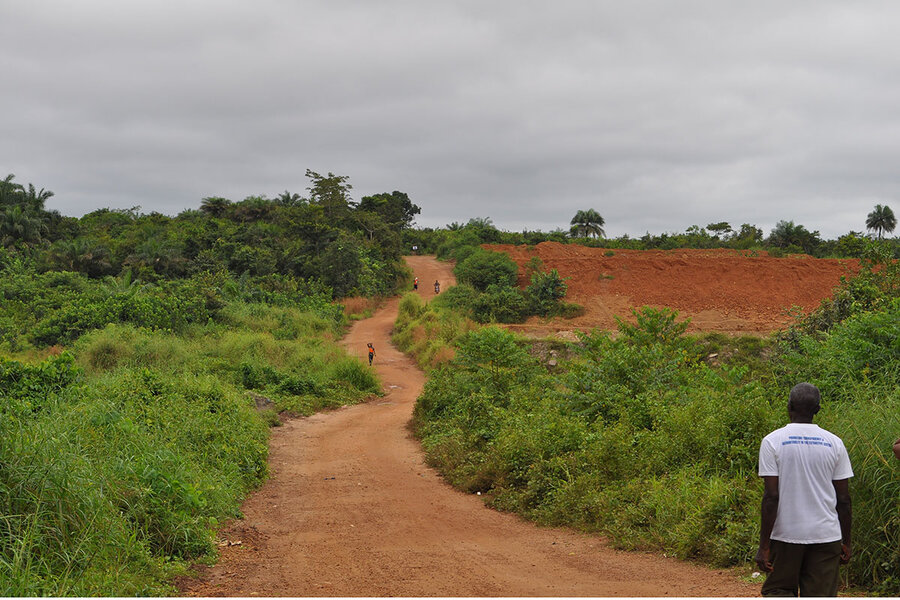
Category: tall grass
[428,332]
[117,466]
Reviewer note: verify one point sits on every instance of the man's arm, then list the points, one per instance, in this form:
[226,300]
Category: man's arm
[897,449]
[845,516]
[768,512]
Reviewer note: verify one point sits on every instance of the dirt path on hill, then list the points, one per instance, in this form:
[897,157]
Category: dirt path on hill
[351,509]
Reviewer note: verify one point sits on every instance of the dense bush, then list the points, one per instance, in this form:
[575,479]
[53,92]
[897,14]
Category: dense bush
[483,268]
[638,437]
[128,470]
[487,292]
[545,292]
[499,304]
[121,456]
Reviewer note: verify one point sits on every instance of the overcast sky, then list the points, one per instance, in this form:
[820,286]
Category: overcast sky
[658,114]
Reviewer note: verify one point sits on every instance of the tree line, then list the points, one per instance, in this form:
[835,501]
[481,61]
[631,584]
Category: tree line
[587,228]
[352,247]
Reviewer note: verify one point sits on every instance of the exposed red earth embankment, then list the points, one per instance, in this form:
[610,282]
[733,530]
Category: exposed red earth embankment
[737,292]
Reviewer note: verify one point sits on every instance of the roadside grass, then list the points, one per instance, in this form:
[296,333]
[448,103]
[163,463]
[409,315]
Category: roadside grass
[120,459]
[643,437]
[426,333]
[360,307]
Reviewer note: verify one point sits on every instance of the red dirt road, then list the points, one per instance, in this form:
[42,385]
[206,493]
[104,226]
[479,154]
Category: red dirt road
[351,509]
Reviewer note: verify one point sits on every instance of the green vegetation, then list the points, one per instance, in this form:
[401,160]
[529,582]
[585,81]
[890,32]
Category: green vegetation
[651,436]
[144,359]
[348,247]
[456,240]
[881,220]
[122,455]
[487,291]
[145,356]
[587,223]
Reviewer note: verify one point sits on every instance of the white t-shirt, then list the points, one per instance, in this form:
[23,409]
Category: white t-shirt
[806,459]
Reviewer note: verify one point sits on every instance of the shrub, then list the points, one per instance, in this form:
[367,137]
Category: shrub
[499,304]
[483,268]
[643,439]
[545,292]
[356,374]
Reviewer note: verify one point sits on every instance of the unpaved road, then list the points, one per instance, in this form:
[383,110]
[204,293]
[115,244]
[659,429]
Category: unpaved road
[351,509]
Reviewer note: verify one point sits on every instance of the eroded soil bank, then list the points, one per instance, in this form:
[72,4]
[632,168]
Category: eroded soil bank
[720,290]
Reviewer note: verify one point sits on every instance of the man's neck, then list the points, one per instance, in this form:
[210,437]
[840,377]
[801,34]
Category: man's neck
[795,418]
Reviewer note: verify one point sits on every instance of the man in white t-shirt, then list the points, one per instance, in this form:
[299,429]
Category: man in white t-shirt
[806,517]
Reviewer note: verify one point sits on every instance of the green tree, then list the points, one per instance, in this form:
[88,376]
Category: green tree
[215,206]
[492,355]
[786,234]
[881,220]
[722,228]
[499,304]
[17,224]
[341,266]
[286,198]
[10,192]
[588,223]
[483,228]
[81,254]
[395,208]
[545,292]
[748,235]
[253,208]
[332,193]
[34,199]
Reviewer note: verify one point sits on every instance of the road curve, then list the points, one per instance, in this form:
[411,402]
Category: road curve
[351,509]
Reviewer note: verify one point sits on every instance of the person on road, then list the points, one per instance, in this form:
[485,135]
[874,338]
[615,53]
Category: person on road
[416,283]
[805,517]
[371,352]
[897,449]
[437,287]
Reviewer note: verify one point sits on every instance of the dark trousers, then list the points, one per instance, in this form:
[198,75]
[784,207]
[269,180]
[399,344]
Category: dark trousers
[810,569]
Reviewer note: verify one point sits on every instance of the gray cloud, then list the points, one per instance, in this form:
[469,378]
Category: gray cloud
[659,115]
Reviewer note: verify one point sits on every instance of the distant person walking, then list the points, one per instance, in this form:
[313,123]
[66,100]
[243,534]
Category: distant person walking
[371,352]
[805,530]
[416,283]
[437,287]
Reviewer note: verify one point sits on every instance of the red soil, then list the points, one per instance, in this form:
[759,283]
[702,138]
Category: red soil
[719,290]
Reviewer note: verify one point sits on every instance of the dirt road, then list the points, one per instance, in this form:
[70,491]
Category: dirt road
[351,509]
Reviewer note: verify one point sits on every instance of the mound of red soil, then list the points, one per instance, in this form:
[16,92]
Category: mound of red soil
[719,290]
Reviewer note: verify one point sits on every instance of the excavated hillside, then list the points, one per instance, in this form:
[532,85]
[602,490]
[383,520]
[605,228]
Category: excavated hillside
[735,292]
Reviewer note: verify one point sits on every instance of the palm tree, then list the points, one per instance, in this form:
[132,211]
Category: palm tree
[124,285]
[10,192]
[17,225]
[881,220]
[588,223]
[288,199]
[34,199]
[81,254]
[215,206]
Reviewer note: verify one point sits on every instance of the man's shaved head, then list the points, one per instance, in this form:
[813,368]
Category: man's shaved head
[804,399]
